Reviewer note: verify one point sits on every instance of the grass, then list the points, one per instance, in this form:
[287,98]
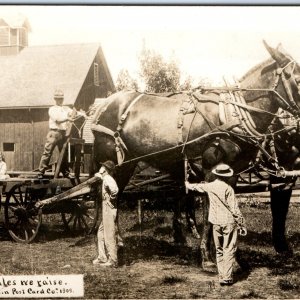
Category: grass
[152,266]
[171,279]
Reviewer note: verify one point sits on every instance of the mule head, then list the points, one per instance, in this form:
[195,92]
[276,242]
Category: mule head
[287,83]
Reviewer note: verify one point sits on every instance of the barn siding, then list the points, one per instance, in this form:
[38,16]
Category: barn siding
[13,50]
[27,129]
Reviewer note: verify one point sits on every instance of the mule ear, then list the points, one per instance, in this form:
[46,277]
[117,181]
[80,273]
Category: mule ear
[281,51]
[273,52]
[277,54]
[270,50]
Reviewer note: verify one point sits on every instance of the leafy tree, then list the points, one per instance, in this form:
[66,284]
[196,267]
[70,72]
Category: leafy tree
[191,83]
[125,81]
[187,84]
[158,75]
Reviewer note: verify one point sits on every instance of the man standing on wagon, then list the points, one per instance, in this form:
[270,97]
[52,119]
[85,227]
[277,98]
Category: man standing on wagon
[59,116]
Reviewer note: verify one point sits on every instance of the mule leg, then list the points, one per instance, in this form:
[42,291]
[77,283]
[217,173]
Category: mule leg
[207,263]
[179,237]
[190,216]
[280,200]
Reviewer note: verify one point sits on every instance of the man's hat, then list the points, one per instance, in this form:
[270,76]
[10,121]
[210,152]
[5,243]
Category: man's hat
[58,94]
[109,165]
[223,170]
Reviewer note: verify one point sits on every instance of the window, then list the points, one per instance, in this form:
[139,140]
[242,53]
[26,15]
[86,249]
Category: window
[96,74]
[9,147]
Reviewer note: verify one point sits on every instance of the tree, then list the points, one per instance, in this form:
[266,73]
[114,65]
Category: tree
[187,84]
[125,81]
[158,75]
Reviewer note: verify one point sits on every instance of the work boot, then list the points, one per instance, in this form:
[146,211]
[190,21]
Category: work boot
[98,261]
[109,264]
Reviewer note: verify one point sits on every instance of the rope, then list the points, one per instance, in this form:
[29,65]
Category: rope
[211,134]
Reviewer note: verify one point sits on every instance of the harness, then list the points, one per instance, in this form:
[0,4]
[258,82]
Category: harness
[234,115]
[119,143]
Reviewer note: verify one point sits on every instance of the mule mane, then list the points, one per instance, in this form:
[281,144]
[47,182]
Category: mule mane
[258,66]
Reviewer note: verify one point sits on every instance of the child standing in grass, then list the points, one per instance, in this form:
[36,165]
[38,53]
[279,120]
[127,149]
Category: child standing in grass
[225,216]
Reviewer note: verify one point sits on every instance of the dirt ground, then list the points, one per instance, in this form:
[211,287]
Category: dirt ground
[152,266]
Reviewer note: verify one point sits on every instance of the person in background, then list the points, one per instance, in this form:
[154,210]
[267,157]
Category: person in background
[59,116]
[226,218]
[3,168]
[107,234]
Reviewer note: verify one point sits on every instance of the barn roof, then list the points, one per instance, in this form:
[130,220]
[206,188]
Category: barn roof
[30,78]
[16,21]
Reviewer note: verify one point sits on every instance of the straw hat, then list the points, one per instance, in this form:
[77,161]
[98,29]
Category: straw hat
[58,94]
[223,170]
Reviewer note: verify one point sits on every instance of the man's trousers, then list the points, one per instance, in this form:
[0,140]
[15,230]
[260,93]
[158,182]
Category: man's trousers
[225,238]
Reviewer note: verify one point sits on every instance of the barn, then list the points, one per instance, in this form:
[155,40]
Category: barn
[29,76]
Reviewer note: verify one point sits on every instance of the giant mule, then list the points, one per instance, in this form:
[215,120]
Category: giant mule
[205,127]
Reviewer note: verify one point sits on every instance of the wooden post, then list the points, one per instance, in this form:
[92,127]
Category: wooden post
[140,216]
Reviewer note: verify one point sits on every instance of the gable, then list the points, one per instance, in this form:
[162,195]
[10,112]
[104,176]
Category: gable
[30,78]
[3,23]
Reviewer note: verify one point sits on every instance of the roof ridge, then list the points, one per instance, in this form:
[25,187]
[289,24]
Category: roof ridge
[62,45]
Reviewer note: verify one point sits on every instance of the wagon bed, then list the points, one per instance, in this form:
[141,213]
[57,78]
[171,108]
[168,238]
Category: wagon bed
[21,198]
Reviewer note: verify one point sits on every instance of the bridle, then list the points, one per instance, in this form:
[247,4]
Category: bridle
[286,77]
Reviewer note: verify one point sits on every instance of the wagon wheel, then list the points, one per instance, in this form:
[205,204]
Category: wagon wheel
[83,216]
[252,177]
[21,218]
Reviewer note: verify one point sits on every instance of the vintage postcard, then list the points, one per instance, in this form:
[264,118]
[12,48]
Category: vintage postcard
[149,152]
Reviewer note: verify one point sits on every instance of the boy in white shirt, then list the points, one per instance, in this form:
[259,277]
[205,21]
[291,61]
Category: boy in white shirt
[226,218]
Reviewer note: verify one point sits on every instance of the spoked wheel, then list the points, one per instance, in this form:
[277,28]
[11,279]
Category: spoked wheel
[22,219]
[83,215]
[252,178]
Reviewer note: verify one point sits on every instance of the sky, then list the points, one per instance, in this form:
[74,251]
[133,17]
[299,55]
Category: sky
[207,41]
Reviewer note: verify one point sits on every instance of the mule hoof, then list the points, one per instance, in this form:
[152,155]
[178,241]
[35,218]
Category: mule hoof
[209,267]
[237,268]
[283,249]
[285,253]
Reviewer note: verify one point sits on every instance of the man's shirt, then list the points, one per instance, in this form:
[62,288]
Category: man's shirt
[218,191]
[109,188]
[2,168]
[57,114]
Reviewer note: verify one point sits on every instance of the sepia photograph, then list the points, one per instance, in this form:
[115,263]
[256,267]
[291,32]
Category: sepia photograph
[149,152]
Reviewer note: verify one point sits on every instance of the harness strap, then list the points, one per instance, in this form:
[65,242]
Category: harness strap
[187,107]
[119,143]
[102,129]
[180,125]
[205,98]
[125,114]
[288,91]
[247,120]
